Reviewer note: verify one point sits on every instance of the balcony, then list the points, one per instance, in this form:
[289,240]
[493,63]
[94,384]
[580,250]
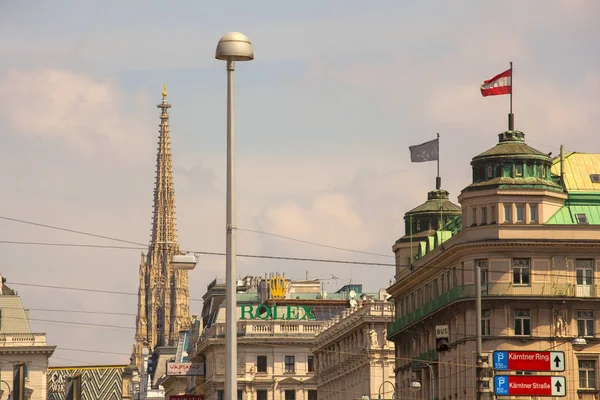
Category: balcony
[541,289]
[499,289]
[265,328]
[457,293]
[22,339]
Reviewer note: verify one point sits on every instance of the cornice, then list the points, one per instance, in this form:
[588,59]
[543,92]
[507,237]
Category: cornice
[442,257]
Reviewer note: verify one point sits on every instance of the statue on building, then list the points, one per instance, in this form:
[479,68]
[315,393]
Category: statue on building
[561,325]
[373,337]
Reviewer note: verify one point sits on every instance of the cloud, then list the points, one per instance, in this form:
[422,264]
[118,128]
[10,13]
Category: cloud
[83,112]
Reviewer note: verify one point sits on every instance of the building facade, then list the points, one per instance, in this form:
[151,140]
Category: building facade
[353,356]
[97,382]
[18,344]
[163,295]
[532,226]
[278,320]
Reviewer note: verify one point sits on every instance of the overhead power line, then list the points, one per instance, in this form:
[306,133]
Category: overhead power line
[312,243]
[205,253]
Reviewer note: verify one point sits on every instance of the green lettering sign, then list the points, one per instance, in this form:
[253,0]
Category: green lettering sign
[264,312]
[247,308]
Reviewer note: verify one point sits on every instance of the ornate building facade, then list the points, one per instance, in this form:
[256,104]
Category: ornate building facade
[353,356]
[278,322]
[163,296]
[18,344]
[532,225]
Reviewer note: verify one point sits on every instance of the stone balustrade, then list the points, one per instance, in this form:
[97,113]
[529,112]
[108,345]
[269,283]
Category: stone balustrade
[22,339]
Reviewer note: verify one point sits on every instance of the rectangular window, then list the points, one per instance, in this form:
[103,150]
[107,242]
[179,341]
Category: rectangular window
[584,272]
[239,395]
[418,225]
[312,394]
[485,323]
[520,213]
[533,213]
[518,170]
[585,323]
[311,364]
[587,374]
[493,215]
[522,323]
[484,215]
[290,364]
[220,394]
[261,394]
[290,394]
[474,211]
[508,213]
[455,276]
[261,364]
[521,272]
[490,171]
[484,271]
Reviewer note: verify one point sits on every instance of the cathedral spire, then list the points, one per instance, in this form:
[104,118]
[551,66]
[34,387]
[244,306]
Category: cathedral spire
[164,231]
[163,296]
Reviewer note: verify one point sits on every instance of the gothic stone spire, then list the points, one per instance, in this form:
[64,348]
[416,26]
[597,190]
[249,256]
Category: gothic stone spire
[163,296]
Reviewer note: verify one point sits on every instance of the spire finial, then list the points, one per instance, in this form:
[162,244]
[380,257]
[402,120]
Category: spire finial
[164,91]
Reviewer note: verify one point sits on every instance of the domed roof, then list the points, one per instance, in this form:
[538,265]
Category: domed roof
[512,144]
[512,163]
[436,199]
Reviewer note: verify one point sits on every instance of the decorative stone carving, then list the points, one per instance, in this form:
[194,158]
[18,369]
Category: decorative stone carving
[373,338]
[560,326]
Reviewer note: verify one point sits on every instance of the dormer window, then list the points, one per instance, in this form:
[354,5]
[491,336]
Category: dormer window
[595,178]
[418,225]
[518,170]
[582,218]
[490,171]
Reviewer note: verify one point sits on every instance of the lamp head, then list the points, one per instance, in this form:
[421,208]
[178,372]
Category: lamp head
[234,46]
[579,343]
[415,386]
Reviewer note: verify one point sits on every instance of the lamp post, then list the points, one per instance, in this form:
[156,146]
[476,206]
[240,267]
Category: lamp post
[2,392]
[414,386]
[232,47]
[431,378]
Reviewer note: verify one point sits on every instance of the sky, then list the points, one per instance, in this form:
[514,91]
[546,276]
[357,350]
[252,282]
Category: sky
[325,113]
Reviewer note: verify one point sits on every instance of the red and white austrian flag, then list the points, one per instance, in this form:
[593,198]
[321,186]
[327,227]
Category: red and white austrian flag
[500,84]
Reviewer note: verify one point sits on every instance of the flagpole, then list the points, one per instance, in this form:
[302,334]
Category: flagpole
[511,117]
[438,180]
[411,245]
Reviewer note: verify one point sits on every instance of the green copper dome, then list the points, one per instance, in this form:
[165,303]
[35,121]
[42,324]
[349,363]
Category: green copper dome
[436,212]
[512,163]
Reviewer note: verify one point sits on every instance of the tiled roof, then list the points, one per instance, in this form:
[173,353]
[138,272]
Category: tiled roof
[584,194]
[578,168]
[567,215]
[13,317]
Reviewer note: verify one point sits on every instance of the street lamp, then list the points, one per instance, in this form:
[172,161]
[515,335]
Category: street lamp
[232,47]
[2,391]
[414,386]
[183,261]
[431,379]
[579,343]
